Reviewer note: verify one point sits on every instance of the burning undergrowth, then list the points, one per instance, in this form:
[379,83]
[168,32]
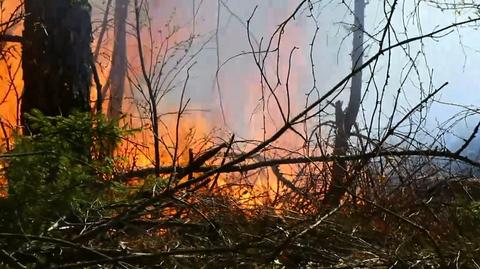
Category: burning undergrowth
[390,217]
[315,187]
[406,208]
[197,230]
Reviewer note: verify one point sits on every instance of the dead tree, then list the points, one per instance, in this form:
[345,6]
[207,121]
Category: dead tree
[345,119]
[119,59]
[56,57]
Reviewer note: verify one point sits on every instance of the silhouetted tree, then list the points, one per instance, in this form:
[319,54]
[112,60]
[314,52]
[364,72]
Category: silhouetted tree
[56,57]
[119,59]
[345,119]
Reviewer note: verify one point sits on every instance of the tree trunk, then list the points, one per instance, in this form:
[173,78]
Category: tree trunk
[56,57]
[119,59]
[345,119]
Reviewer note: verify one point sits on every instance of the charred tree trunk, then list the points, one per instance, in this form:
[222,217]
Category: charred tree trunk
[56,57]
[119,59]
[346,119]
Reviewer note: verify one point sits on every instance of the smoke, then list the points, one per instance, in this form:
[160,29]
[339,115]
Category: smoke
[225,87]
[225,83]
[226,90]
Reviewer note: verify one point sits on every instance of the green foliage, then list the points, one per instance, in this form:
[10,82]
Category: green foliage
[469,217]
[84,3]
[61,168]
[152,182]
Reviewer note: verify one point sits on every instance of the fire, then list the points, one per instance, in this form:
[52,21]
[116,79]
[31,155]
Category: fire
[197,131]
[11,81]
[3,183]
[10,72]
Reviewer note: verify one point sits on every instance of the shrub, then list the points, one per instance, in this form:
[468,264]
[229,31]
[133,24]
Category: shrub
[58,170]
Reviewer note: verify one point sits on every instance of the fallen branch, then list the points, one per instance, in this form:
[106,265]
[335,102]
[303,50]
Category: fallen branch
[303,160]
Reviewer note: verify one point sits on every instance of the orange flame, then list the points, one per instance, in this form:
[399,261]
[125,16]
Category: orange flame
[10,72]
[194,132]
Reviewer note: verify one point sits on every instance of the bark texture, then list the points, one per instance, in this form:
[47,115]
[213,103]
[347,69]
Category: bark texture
[56,57]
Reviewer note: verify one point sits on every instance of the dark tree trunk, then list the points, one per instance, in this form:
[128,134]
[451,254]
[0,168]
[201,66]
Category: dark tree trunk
[338,184]
[56,57]
[345,119]
[119,59]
